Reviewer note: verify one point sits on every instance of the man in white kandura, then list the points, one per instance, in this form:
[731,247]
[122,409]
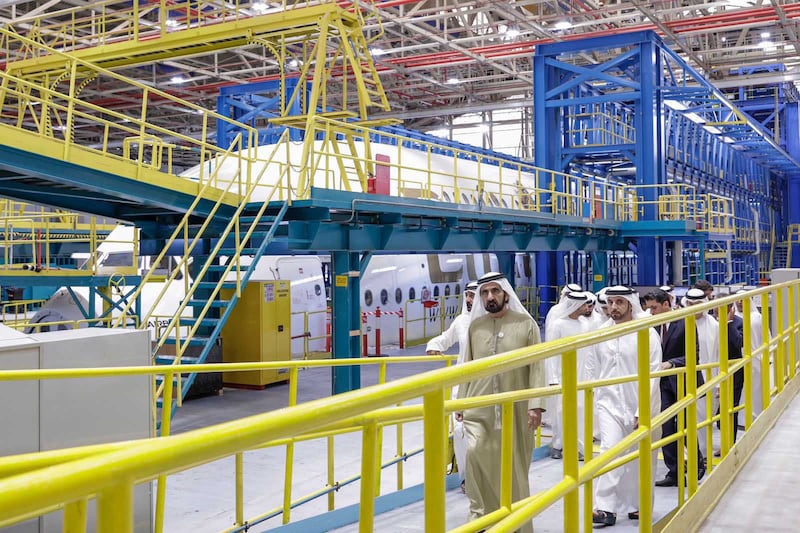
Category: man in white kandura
[756,340]
[707,352]
[567,319]
[618,405]
[457,333]
[499,323]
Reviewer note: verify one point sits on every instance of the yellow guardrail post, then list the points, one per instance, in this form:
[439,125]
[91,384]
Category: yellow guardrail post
[288,468]
[766,354]
[400,452]
[680,429]
[780,355]
[725,392]
[645,462]
[569,423]
[115,508]
[747,353]
[239,489]
[331,474]
[75,517]
[506,454]
[433,408]
[166,416]
[379,436]
[792,359]
[369,459]
[588,455]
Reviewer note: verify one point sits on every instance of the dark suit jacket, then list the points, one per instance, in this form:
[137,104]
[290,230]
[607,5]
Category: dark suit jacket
[673,349]
[735,338]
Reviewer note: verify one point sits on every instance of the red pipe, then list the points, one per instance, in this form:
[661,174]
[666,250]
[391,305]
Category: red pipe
[377,331]
[402,330]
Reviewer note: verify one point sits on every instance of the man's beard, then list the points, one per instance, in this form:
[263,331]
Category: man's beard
[469,306]
[493,306]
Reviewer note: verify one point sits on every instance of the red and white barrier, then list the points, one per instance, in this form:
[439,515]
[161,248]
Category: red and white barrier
[378,314]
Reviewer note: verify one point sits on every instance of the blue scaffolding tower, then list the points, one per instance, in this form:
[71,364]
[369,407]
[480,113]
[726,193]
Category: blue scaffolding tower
[638,114]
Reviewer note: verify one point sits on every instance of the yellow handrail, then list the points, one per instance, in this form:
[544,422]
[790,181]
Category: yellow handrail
[30,493]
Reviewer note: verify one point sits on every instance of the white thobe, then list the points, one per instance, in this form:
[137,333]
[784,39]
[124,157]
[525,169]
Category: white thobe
[559,329]
[456,333]
[756,340]
[617,405]
[708,352]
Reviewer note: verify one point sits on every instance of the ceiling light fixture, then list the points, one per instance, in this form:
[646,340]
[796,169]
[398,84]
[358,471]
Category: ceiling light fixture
[563,25]
[512,33]
[177,79]
[452,80]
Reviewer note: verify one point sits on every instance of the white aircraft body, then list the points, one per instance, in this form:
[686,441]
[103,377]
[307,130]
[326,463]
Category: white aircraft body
[426,287]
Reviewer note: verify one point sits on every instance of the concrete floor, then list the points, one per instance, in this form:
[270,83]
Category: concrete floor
[763,497]
[202,499]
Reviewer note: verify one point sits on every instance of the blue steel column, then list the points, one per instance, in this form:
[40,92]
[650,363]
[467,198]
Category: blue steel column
[792,120]
[546,139]
[599,271]
[648,161]
[345,320]
[505,261]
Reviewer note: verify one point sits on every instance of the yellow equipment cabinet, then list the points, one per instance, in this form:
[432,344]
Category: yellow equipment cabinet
[258,330]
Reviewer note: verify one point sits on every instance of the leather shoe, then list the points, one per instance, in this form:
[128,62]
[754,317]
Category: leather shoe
[668,481]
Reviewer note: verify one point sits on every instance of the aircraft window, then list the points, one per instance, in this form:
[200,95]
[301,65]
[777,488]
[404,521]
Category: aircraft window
[115,259]
[317,289]
[458,289]
[384,296]
[447,290]
[436,291]
[412,294]
[368,298]
[398,295]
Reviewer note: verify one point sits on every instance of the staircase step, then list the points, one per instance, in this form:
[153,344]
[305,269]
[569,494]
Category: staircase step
[191,321]
[232,251]
[223,268]
[247,219]
[202,303]
[170,359]
[197,340]
[211,285]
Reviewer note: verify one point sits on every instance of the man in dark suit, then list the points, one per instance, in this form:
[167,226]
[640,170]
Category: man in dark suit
[735,344]
[673,348]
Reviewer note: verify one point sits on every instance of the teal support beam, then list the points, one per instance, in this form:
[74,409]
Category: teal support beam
[345,319]
[506,262]
[600,271]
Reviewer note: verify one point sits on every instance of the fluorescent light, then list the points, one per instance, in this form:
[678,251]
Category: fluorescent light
[171,23]
[512,33]
[259,6]
[563,25]
[453,80]
[724,39]
[712,129]
[676,105]
[177,79]
[293,63]
[377,52]
[694,117]
[765,35]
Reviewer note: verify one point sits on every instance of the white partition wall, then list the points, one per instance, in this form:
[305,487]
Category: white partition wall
[54,414]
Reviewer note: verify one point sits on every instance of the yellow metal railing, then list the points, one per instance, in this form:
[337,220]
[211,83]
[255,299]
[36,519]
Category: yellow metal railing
[34,233]
[599,128]
[52,110]
[28,493]
[395,418]
[112,21]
